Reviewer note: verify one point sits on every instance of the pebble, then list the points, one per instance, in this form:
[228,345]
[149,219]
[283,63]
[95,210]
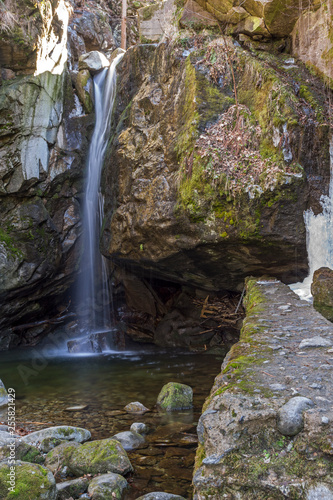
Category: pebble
[316,386]
[277,387]
[290,415]
[324,420]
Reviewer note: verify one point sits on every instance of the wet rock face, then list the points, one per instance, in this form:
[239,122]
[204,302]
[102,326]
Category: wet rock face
[44,139]
[166,214]
[322,291]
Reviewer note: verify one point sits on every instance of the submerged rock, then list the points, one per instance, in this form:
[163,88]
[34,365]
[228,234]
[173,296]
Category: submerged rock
[31,481]
[67,433]
[129,440]
[322,291]
[139,427]
[136,407]
[107,486]
[290,416]
[175,396]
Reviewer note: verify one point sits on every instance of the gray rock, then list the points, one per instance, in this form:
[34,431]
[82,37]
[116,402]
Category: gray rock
[49,443]
[158,495]
[139,427]
[22,451]
[175,396]
[315,342]
[107,486]
[3,394]
[290,415]
[136,407]
[201,427]
[93,61]
[129,440]
[72,488]
[67,433]
[320,491]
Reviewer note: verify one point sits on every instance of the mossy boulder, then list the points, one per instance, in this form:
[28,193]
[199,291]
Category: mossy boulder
[322,291]
[99,457]
[72,489]
[107,487]
[175,396]
[32,481]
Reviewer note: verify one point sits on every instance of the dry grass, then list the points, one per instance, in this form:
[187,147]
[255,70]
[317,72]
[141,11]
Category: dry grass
[8,16]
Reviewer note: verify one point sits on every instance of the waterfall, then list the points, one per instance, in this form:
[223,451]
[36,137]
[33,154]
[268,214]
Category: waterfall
[94,296]
[319,238]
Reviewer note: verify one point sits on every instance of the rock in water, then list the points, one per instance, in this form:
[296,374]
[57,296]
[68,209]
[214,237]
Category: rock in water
[72,488]
[136,407]
[129,440]
[3,394]
[31,481]
[175,396]
[107,486]
[139,427]
[322,291]
[290,415]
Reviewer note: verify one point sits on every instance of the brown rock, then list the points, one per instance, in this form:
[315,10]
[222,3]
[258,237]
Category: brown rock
[322,291]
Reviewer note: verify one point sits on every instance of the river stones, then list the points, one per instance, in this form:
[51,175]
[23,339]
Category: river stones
[107,486]
[3,395]
[135,407]
[31,481]
[66,432]
[94,61]
[139,427]
[159,495]
[73,488]
[105,455]
[129,440]
[175,396]
[290,416]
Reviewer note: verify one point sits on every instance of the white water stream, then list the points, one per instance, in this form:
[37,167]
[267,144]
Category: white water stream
[94,296]
[319,238]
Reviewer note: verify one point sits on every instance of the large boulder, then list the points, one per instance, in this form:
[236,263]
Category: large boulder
[93,61]
[183,202]
[30,481]
[322,291]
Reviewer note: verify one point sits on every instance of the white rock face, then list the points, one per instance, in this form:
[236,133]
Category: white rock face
[315,342]
[93,61]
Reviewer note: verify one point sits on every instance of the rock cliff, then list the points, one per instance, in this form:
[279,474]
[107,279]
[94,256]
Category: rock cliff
[201,188]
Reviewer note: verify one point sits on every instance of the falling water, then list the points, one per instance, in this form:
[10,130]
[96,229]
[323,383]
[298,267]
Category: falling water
[94,296]
[319,238]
